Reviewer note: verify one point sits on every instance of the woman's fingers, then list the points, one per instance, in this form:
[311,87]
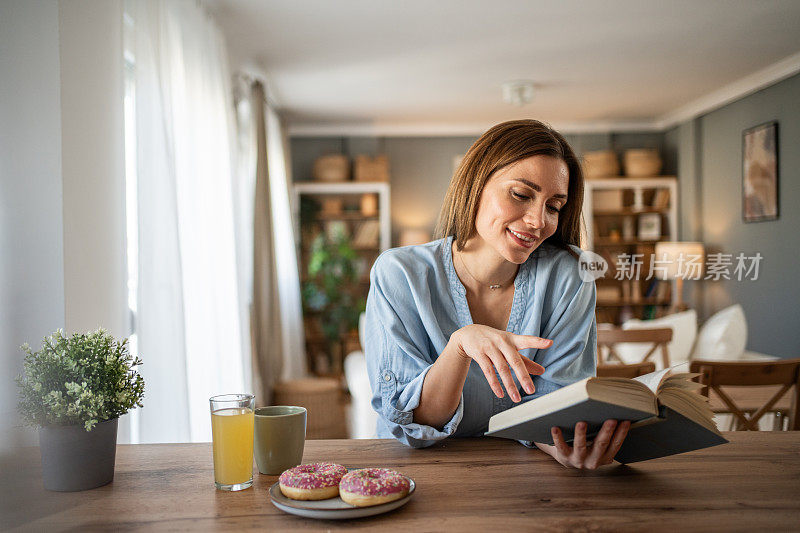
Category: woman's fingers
[533,368]
[617,440]
[597,457]
[579,443]
[517,362]
[488,370]
[499,361]
[558,441]
[530,341]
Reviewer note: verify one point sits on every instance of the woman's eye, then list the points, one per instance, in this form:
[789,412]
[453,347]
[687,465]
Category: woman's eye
[519,196]
[554,209]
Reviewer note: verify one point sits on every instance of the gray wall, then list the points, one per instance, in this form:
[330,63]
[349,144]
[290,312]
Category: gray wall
[31,231]
[770,303]
[421,167]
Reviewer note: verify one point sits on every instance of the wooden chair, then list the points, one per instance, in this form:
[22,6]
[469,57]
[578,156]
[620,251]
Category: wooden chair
[779,375]
[607,338]
[625,371]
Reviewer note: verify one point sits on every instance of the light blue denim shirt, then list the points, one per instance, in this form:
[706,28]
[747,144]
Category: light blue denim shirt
[416,301]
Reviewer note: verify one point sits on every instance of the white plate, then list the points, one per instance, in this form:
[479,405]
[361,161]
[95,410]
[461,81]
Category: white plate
[333,508]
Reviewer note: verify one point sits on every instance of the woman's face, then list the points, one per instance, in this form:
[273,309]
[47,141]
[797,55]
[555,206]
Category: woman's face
[519,206]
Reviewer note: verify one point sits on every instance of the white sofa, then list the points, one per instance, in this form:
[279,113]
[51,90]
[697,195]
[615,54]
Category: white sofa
[722,337]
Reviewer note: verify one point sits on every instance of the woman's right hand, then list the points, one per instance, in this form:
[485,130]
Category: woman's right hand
[495,349]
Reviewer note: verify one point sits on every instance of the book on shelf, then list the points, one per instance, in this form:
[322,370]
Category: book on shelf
[668,414]
[367,234]
[661,199]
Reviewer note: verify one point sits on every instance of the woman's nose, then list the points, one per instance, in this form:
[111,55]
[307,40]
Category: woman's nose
[534,217]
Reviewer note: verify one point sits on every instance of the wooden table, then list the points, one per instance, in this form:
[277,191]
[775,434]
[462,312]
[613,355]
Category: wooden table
[462,485]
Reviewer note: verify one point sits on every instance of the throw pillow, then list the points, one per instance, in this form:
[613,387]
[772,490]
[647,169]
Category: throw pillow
[684,331]
[723,336]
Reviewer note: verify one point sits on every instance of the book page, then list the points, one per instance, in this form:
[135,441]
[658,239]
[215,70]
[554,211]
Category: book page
[653,379]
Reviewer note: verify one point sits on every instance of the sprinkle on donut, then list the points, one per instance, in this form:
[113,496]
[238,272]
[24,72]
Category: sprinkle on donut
[372,486]
[316,481]
[313,476]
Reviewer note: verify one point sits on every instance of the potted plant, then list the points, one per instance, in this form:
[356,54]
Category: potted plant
[75,389]
[332,274]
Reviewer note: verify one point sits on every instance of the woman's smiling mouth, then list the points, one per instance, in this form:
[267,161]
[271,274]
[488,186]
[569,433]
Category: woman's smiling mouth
[521,239]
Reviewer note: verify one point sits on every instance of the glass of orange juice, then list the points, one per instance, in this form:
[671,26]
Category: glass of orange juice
[232,434]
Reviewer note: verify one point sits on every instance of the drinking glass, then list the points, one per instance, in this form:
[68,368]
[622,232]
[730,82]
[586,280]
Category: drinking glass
[232,434]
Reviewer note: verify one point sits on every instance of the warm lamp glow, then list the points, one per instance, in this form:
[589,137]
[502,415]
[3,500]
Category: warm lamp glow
[680,260]
[414,236]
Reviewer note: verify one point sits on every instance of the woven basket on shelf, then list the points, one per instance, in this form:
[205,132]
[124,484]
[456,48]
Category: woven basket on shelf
[332,167]
[322,397]
[600,164]
[642,162]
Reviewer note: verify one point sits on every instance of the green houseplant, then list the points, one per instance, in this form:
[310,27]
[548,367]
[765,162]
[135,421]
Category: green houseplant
[75,389]
[332,274]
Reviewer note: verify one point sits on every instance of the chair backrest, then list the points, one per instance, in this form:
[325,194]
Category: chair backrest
[607,338]
[625,371]
[784,373]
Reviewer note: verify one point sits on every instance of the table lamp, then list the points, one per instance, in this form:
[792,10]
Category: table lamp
[682,260]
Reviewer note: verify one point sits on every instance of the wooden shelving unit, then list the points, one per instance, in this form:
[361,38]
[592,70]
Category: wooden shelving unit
[614,207]
[350,217]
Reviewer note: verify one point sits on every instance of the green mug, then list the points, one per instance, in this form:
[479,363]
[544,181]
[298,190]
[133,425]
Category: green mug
[280,434]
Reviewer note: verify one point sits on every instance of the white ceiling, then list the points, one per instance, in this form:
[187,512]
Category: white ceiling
[436,66]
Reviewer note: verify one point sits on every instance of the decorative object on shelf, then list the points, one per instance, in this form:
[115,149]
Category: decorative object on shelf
[332,206]
[649,226]
[600,163]
[410,237]
[369,205]
[332,271]
[628,230]
[679,261]
[372,168]
[760,173]
[332,167]
[607,200]
[367,234]
[642,162]
[660,199]
[75,389]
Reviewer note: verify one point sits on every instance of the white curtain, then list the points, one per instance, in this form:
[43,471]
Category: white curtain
[189,316]
[282,257]
[293,336]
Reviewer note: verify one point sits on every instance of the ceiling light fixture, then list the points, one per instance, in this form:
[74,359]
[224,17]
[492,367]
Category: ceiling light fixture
[518,92]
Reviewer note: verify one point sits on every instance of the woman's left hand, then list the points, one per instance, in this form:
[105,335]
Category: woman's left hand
[588,456]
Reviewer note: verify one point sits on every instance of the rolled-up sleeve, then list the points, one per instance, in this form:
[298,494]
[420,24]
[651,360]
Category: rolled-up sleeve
[397,354]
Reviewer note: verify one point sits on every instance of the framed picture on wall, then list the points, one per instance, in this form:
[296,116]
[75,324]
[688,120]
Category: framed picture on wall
[760,173]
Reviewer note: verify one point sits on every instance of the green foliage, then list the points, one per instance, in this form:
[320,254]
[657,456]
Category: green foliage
[332,274]
[84,379]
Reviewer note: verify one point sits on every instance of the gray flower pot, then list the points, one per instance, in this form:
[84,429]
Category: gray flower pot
[75,459]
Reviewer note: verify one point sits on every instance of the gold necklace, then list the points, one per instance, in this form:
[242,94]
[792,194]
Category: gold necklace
[492,286]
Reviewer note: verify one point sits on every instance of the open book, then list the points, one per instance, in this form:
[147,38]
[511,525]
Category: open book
[668,415]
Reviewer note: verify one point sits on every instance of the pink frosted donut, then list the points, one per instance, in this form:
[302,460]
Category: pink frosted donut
[372,486]
[316,481]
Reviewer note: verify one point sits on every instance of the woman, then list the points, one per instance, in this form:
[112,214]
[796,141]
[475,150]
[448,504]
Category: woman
[445,318]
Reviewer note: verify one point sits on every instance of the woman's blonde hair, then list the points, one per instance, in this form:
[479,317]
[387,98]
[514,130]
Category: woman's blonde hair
[500,146]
